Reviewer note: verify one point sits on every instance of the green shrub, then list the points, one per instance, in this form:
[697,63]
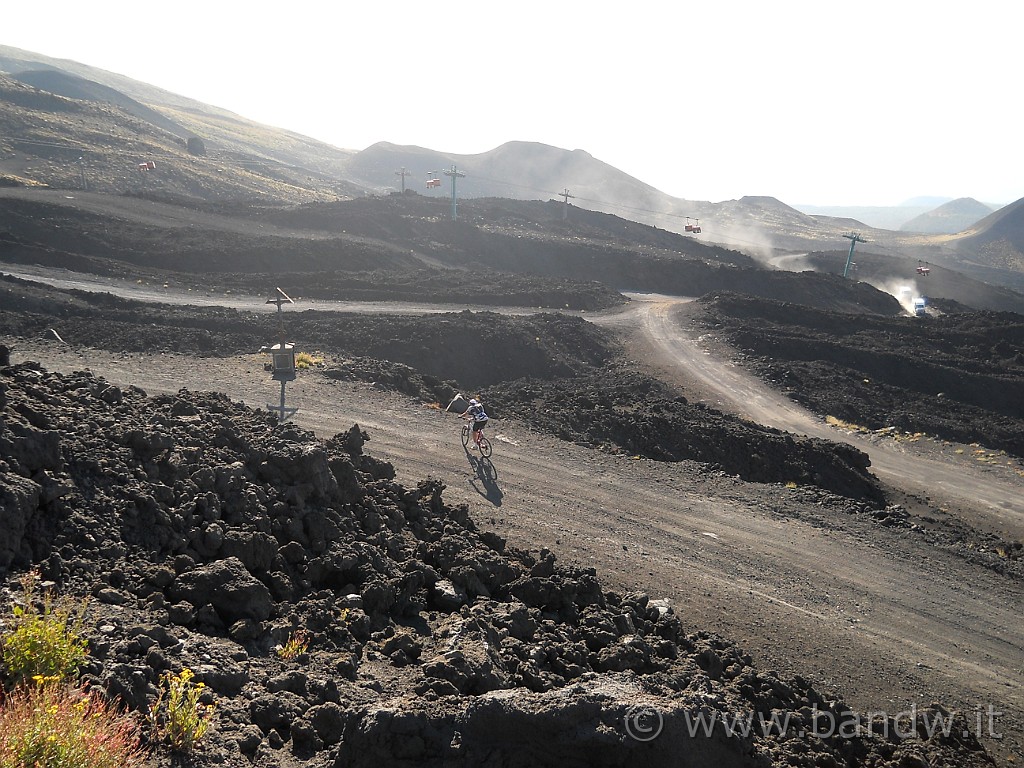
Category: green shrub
[177,716]
[44,644]
[51,725]
[296,644]
[304,360]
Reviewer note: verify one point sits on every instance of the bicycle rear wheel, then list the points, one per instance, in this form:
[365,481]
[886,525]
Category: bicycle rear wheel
[465,435]
[485,447]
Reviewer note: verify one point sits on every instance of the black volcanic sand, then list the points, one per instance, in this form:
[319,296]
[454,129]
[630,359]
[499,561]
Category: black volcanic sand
[415,284]
[958,376]
[206,534]
[555,372]
[500,252]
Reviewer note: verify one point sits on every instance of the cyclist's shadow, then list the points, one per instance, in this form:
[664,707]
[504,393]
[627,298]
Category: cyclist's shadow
[485,480]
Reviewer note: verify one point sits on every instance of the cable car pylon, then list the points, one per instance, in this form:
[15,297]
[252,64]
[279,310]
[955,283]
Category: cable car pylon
[455,174]
[854,238]
[565,208]
[403,173]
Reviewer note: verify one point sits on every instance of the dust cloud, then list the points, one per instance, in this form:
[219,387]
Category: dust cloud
[750,240]
[905,291]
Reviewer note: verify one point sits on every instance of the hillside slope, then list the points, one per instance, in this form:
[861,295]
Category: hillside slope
[314,249]
[997,241]
[98,126]
[954,216]
[896,274]
[244,146]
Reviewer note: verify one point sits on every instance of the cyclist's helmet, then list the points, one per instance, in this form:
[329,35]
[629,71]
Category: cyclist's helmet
[474,401]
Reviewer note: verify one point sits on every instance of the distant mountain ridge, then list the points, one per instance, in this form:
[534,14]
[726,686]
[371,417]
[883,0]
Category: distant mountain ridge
[532,171]
[995,242]
[890,217]
[519,170]
[106,123]
[949,218]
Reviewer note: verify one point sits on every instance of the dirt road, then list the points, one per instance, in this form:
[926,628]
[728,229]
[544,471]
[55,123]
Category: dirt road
[152,291]
[876,614]
[995,502]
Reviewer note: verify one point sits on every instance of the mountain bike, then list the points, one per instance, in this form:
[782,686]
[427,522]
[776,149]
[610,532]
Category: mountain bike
[484,445]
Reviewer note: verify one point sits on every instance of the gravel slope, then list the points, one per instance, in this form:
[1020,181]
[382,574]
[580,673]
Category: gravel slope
[768,566]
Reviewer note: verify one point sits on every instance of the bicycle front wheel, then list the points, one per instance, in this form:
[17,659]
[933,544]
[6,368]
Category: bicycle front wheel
[485,447]
[465,435]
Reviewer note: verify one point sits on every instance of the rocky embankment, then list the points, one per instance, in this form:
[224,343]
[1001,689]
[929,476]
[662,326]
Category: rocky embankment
[558,373]
[206,534]
[958,376]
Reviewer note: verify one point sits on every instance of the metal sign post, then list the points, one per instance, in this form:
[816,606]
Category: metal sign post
[283,412]
[282,356]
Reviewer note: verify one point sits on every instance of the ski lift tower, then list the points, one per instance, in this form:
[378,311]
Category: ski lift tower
[282,357]
[565,208]
[455,174]
[854,238]
[403,173]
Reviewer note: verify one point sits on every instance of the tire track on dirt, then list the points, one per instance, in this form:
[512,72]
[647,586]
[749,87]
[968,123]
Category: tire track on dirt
[1000,505]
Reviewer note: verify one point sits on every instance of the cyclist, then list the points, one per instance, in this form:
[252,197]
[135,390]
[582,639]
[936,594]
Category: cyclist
[478,416]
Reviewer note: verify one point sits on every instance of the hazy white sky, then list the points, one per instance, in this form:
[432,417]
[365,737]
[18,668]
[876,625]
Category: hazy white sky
[856,103]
